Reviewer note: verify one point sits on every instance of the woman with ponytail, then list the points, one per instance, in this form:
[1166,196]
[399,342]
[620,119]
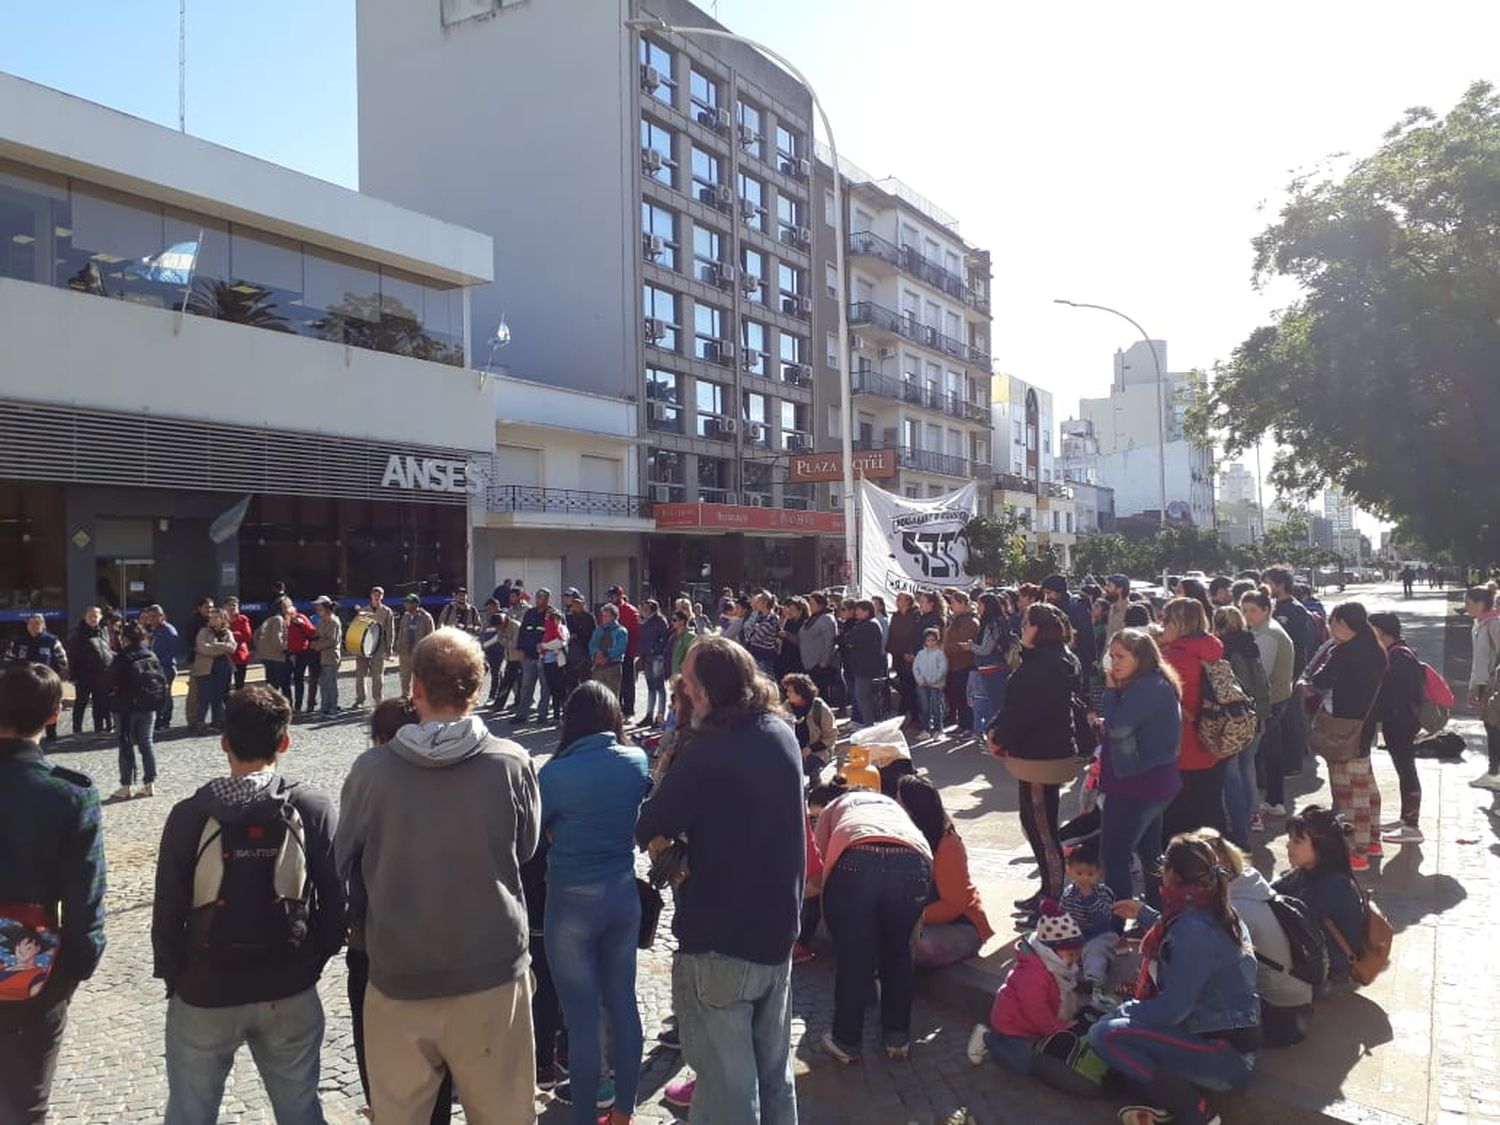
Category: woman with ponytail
[1194,1024]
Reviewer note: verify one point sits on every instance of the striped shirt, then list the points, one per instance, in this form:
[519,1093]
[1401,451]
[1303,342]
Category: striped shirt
[1094,913]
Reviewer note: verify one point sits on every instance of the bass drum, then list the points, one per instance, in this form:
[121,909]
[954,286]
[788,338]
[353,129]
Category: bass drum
[363,637]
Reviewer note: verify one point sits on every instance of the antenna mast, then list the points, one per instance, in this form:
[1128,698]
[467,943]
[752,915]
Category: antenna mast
[182,65]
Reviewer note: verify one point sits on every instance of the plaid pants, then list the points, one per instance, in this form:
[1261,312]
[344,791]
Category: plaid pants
[1357,797]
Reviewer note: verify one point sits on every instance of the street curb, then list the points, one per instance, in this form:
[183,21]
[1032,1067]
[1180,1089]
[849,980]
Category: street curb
[969,989]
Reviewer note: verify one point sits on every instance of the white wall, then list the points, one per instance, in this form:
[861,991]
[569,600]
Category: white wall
[1134,475]
[82,350]
[518,126]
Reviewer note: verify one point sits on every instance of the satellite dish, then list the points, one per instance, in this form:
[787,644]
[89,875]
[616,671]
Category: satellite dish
[1178,510]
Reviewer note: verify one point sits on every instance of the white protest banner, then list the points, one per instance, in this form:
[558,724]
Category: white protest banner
[907,545]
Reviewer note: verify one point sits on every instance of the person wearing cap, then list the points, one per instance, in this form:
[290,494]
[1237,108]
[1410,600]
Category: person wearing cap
[373,665]
[630,619]
[415,624]
[581,626]
[328,643]
[459,614]
[529,641]
[1081,615]
[1117,594]
[1038,996]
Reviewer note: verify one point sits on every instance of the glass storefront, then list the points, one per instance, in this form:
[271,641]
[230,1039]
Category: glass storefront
[58,231]
[33,547]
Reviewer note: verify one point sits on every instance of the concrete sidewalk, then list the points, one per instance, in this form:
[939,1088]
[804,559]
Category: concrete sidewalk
[1416,1046]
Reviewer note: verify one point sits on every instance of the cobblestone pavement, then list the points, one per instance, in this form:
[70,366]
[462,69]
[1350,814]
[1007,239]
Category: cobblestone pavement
[111,1069]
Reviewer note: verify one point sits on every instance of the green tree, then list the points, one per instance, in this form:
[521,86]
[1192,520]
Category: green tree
[1381,375]
[1106,553]
[997,544]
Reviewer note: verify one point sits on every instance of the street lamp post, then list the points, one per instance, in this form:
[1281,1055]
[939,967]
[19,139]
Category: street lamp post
[1161,422]
[845,364]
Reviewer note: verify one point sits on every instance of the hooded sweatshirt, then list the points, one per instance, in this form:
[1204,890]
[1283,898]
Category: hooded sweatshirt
[1251,896]
[1187,656]
[437,823]
[251,799]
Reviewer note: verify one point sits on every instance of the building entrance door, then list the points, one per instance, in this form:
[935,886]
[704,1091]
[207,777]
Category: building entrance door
[126,583]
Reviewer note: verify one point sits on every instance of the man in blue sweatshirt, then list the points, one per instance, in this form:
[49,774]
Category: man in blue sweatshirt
[739,909]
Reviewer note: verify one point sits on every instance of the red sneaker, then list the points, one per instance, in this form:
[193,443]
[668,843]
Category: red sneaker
[1357,862]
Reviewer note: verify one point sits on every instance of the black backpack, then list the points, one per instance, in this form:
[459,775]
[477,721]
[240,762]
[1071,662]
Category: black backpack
[144,684]
[251,893]
[1305,937]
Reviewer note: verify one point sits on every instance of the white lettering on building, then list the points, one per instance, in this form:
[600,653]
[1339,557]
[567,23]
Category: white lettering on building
[425,474]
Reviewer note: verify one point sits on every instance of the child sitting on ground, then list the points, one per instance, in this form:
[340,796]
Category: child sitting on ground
[1037,998]
[1091,904]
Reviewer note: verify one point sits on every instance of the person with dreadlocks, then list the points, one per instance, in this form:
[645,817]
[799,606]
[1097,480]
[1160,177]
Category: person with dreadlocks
[1194,1024]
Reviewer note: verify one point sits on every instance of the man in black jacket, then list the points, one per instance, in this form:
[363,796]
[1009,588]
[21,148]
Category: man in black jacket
[241,931]
[737,795]
[1080,615]
[39,646]
[1292,616]
[533,622]
[51,871]
[581,625]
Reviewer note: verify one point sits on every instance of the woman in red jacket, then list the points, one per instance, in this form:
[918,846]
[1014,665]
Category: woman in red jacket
[243,633]
[954,924]
[299,634]
[1187,645]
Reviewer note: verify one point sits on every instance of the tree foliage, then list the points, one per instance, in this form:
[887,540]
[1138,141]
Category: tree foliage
[1382,375]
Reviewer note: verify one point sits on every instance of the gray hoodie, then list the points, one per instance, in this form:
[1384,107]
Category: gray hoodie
[1250,895]
[438,822]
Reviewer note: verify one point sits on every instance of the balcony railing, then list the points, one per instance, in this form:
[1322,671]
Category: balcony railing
[910,328]
[906,258]
[1013,482]
[866,380]
[566,502]
[930,461]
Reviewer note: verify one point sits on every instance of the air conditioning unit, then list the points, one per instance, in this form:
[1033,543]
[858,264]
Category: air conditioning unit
[789,305]
[749,284]
[650,78]
[798,443]
[789,167]
[707,193]
[658,412]
[749,212]
[755,431]
[656,328]
[723,275]
[728,426]
[747,135]
[804,236]
[651,161]
[804,306]
[887,353]
[804,168]
[856,343]
[750,361]
[708,117]
[725,352]
[654,245]
[755,499]
[721,119]
[799,375]
[723,195]
[661,493]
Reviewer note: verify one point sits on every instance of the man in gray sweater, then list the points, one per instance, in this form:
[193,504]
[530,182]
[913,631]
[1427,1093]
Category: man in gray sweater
[433,829]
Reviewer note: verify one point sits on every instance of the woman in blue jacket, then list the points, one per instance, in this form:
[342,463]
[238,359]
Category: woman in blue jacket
[1142,727]
[591,794]
[1194,1024]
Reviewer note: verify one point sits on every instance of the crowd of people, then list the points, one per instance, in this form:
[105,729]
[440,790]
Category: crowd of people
[492,911]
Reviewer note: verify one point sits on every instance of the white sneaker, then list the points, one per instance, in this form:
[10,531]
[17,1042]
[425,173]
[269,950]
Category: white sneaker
[976,1049]
[1490,781]
[1268,809]
[121,794]
[147,790]
[1406,834]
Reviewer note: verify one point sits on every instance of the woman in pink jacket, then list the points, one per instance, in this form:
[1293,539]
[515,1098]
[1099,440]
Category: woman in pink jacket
[1037,998]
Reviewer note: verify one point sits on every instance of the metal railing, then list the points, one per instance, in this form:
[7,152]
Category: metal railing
[908,259]
[908,327]
[867,380]
[565,502]
[931,461]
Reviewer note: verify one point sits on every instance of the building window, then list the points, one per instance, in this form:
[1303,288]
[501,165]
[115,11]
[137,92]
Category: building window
[1015,431]
[831,275]
[660,309]
[752,202]
[913,431]
[832,353]
[795,432]
[710,399]
[757,421]
[788,149]
[714,480]
[750,134]
[705,174]
[755,478]
[790,280]
[659,223]
[707,248]
[708,331]
[793,351]
[664,399]
[656,57]
[703,91]
[830,208]
[664,472]
[658,141]
[1068,522]
[753,337]
[790,218]
[753,265]
[912,492]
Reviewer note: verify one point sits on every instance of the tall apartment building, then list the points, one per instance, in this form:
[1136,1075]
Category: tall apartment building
[920,327]
[1238,506]
[650,198]
[1024,429]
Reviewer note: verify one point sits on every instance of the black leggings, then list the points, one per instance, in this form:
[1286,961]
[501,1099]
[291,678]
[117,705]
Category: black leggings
[86,692]
[1404,756]
[557,685]
[1039,822]
[1199,805]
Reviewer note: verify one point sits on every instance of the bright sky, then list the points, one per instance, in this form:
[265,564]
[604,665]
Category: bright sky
[1106,152]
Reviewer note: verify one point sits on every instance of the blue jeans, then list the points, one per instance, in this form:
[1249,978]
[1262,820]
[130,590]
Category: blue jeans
[988,691]
[532,681]
[328,689]
[656,686]
[284,1037]
[1131,826]
[931,708]
[735,1018]
[136,730]
[868,707]
[1170,1067]
[590,933]
[1239,792]
[872,902]
[213,690]
[1011,1051]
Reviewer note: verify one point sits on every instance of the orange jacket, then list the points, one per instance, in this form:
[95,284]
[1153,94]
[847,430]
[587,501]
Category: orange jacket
[957,895]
